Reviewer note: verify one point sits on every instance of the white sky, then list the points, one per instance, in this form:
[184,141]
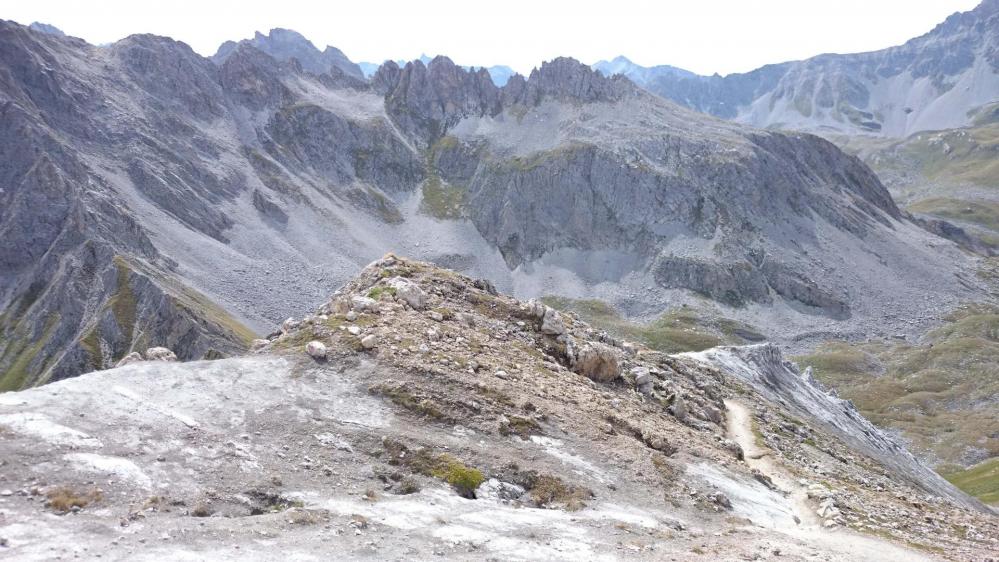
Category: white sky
[704,36]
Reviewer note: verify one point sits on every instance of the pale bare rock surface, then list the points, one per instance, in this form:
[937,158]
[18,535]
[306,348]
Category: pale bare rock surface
[374,453]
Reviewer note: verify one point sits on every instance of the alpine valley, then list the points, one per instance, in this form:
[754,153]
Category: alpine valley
[277,299]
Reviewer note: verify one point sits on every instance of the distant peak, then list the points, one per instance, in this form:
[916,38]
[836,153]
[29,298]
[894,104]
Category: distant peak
[286,44]
[46,28]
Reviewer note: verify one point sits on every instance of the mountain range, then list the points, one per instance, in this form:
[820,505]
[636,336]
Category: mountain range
[245,213]
[931,82]
[195,201]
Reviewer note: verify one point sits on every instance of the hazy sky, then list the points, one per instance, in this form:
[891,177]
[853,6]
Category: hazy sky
[704,36]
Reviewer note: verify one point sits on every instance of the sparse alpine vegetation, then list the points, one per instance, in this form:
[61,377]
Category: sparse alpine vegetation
[939,393]
[679,330]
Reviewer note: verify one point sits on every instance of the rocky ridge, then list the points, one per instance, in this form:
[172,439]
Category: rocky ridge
[477,425]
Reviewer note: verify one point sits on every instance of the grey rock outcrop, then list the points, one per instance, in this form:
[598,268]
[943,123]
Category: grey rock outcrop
[551,322]
[160,354]
[409,292]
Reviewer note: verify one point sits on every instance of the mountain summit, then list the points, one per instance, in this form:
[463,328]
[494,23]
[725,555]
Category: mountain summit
[285,44]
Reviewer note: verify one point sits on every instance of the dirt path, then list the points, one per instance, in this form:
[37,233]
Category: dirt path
[844,542]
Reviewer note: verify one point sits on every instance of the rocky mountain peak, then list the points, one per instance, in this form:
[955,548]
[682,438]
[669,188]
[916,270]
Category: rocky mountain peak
[566,78]
[287,44]
[426,100]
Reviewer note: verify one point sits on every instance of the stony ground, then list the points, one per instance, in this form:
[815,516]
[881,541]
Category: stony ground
[421,415]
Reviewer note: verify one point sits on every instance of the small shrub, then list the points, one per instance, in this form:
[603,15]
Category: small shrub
[463,478]
[407,486]
[402,397]
[550,490]
[447,313]
[520,426]
[299,516]
[63,499]
[202,510]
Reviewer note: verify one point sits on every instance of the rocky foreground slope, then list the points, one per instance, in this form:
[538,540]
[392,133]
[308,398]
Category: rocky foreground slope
[931,82]
[142,182]
[420,414]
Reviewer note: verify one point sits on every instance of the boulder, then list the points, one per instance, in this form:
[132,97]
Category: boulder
[498,491]
[596,361]
[720,499]
[362,304]
[485,285]
[369,341]
[643,379]
[551,322]
[713,414]
[133,357]
[409,292]
[536,309]
[288,325]
[160,354]
[680,409]
[316,350]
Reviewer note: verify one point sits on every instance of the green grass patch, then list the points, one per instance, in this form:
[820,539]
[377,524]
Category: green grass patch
[377,292]
[676,331]
[462,478]
[443,466]
[91,343]
[122,303]
[21,353]
[443,200]
[984,214]
[981,481]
